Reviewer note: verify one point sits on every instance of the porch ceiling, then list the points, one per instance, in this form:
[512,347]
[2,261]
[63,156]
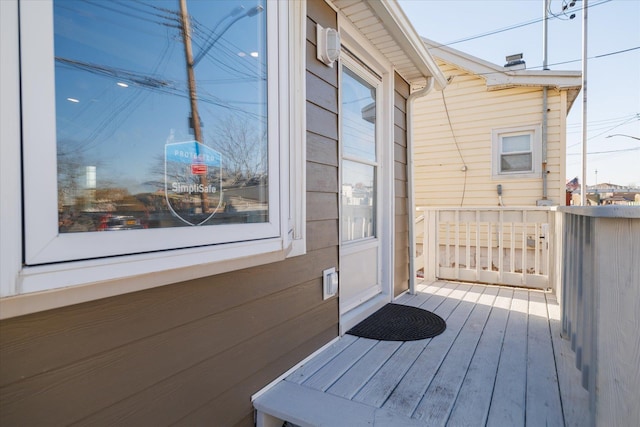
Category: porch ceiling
[384,23]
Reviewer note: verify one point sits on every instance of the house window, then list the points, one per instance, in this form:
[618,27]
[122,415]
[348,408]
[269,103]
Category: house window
[516,152]
[156,130]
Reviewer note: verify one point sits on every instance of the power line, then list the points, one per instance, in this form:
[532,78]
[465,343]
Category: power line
[636,117]
[591,57]
[511,27]
[607,152]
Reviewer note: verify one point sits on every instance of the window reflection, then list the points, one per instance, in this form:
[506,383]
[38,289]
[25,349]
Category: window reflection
[359,188]
[140,145]
[358,201]
[358,117]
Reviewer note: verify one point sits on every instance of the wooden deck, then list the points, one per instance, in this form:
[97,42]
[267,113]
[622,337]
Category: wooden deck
[500,362]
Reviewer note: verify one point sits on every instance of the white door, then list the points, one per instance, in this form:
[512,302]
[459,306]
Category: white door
[360,273]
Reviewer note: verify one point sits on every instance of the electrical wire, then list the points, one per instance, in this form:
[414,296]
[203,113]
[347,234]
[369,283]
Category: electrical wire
[511,27]
[455,140]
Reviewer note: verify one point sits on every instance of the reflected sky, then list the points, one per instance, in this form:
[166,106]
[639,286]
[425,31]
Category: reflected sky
[123,64]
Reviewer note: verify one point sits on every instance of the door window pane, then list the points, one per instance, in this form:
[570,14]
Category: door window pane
[358,201]
[140,144]
[358,117]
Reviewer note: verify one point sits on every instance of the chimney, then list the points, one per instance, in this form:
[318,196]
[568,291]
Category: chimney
[515,62]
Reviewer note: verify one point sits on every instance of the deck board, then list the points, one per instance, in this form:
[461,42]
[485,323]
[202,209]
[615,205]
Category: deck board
[439,399]
[508,400]
[472,403]
[407,395]
[501,361]
[542,378]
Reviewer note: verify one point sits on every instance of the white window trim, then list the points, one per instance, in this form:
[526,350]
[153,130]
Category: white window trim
[27,289]
[536,152]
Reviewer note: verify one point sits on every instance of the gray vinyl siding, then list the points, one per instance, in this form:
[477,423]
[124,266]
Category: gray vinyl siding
[401,273]
[190,353]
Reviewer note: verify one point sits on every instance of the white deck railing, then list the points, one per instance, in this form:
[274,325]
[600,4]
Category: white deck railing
[509,246]
[600,301]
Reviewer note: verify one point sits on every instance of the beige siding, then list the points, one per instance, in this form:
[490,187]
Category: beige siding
[474,112]
[190,353]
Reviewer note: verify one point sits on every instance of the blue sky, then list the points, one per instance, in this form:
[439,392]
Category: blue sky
[613,86]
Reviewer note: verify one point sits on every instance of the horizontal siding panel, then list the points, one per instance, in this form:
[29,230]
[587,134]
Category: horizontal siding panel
[321,13]
[74,333]
[220,408]
[399,119]
[400,171]
[399,136]
[321,149]
[322,206]
[322,178]
[399,154]
[321,93]
[153,405]
[126,370]
[322,234]
[399,102]
[400,188]
[321,121]
[400,206]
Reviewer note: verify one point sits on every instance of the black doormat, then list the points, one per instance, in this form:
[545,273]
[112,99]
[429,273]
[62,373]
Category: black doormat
[395,322]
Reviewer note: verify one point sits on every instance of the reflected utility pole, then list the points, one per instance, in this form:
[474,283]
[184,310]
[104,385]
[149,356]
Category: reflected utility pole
[191,63]
[193,98]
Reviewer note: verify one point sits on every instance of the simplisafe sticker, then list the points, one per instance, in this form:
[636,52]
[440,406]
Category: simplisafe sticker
[192,179]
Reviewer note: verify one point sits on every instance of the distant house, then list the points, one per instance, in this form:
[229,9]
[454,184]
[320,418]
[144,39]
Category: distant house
[179,181]
[481,141]
[610,194]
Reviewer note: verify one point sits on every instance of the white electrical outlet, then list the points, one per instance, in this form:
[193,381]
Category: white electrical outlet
[329,283]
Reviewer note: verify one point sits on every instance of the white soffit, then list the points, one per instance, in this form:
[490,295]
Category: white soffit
[384,24]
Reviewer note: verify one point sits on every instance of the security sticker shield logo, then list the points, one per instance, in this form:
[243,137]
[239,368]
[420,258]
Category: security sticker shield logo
[192,180]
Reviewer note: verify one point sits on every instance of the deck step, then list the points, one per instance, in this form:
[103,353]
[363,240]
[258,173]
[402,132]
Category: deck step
[306,407]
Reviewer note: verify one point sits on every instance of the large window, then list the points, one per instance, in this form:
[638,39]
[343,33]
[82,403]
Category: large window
[158,136]
[159,118]
[161,114]
[516,152]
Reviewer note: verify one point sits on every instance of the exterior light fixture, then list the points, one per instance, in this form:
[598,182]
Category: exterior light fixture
[328,45]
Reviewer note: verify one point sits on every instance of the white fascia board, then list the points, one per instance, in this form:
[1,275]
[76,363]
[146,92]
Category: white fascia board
[401,29]
[498,77]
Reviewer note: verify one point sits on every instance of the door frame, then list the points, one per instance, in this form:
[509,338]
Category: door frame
[358,50]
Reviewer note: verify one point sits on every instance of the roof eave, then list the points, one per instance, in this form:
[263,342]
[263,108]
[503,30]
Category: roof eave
[401,29]
[498,77]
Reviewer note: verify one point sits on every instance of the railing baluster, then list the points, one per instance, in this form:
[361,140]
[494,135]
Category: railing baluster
[478,246]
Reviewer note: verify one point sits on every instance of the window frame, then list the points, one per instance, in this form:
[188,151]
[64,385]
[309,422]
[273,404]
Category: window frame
[157,263]
[497,136]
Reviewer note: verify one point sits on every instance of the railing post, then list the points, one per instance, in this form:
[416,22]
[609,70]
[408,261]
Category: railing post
[430,245]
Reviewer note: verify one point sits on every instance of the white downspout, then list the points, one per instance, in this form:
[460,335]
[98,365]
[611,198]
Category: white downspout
[411,200]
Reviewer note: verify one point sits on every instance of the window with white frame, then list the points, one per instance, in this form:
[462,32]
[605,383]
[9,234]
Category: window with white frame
[155,127]
[516,152]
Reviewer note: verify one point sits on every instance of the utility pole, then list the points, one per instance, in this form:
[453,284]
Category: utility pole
[193,99]
[583,189]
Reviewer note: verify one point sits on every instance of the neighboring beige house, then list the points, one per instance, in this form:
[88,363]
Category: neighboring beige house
[484,134]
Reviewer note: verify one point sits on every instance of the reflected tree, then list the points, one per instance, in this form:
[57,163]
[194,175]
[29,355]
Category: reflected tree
[243,148]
